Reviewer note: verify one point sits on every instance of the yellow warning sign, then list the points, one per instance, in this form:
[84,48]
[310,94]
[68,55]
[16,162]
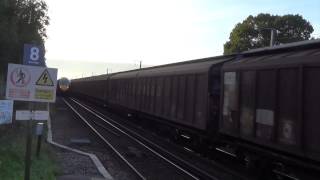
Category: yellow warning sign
[45,79]
[43,94]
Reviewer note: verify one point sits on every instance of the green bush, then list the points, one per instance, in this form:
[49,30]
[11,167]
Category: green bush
[12,157]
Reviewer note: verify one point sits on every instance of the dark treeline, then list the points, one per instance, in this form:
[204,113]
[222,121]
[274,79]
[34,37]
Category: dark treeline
[254,32]
[21,21]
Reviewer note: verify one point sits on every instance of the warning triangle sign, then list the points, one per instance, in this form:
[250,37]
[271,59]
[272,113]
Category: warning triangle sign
[45,79]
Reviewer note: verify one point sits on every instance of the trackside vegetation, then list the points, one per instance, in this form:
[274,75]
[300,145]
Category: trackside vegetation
[12,157]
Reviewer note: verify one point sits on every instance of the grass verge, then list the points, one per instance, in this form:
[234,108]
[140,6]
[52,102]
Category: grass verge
[12,157]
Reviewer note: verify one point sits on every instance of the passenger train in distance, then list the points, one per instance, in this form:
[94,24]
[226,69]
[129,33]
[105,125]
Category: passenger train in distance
[63,85]
[260,106]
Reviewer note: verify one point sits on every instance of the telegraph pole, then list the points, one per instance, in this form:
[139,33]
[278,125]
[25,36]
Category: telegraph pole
[272,38]
[273,33]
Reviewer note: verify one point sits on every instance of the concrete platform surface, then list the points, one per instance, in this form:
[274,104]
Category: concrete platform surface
[71,177]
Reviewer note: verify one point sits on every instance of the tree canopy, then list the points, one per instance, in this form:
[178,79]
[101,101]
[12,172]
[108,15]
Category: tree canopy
[21,21]
[254,32]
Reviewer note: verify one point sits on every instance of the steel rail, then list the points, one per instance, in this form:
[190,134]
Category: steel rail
[199,171]
[106,141]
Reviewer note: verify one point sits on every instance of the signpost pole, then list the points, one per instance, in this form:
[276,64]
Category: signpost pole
[28,145]
[39,145]
[39,134]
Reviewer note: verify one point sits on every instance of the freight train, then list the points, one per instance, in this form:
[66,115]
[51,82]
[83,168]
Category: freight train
[260,106]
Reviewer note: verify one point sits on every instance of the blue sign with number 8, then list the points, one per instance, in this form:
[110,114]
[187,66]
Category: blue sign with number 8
[33,55]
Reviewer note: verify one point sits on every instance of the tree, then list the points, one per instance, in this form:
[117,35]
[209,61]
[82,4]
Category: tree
[254,32]
[21,21]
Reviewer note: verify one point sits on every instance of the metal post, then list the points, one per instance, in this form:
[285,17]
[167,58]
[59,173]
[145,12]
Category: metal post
[39,131]
[39,146]
[140,64]
[28,145]
[272,37]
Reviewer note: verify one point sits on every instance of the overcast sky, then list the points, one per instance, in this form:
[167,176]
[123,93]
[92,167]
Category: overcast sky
[98,32]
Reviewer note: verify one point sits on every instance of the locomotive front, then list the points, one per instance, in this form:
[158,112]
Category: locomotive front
[63,85]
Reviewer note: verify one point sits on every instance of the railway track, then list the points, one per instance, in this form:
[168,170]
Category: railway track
[152,161]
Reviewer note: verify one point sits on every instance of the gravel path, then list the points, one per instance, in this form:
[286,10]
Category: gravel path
[74,164]
[70,163]
[66,127]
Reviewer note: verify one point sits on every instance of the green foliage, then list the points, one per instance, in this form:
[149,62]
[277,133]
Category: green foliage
[12,158]
[21,21]
[254,32]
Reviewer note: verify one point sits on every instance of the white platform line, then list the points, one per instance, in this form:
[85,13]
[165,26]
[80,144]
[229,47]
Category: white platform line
[93,157]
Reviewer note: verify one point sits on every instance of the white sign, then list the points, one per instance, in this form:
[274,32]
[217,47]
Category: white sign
[6,108]
[230,78]
[41,115]
[31,83]
[265,117]
[24,115]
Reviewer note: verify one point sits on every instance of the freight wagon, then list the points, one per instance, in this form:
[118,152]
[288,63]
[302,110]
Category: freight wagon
[259,105]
